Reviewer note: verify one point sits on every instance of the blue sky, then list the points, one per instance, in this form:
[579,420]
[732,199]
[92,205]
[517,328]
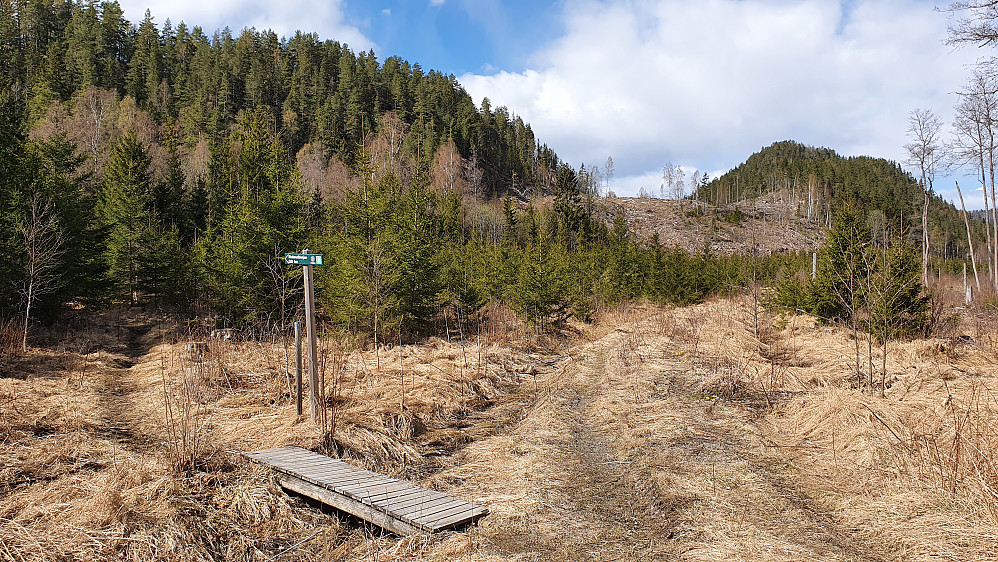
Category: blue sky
[459,36]
[701,84]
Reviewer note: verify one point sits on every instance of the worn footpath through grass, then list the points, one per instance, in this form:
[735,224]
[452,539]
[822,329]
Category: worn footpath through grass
[625,458]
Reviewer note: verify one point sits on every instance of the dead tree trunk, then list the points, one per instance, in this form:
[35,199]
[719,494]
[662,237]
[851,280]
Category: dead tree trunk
[970,238]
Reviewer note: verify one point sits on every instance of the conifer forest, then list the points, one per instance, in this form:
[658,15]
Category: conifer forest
[165,165]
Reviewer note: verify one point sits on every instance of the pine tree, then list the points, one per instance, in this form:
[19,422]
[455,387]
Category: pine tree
[386,277]
[541,293]
[126,213]
[843,266]
[841,287]
[901,308]
[13,177]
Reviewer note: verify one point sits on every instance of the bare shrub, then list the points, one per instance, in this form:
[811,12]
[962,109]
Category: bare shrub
[186,399]
[500,325]
[944,321]
[629,352]
[10,337]
[333,356]
[955,447]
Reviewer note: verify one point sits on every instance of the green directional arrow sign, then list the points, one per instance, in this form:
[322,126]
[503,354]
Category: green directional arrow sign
[303,259]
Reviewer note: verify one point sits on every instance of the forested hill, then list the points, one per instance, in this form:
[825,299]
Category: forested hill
[154,165]
[815,181]
[318,95]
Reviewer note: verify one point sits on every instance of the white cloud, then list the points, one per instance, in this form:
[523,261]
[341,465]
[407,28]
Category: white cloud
[632,184]
[707,83]
[325,18]
[437,2]
[386,12]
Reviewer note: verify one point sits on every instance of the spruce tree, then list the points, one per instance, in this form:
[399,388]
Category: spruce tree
[843,265]
[901,308]
[125,211]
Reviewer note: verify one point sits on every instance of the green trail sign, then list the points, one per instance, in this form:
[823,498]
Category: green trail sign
[303,259]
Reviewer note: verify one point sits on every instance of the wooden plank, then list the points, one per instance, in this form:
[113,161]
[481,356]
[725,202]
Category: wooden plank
[328,480]
[418,498]
[330,471]
[324,468]
[399,495]
[341,474]
[296,463]
[303,462]
[371,494]
[283,451]
[293,454]
[334,474]
[392,503]
[425,507]
[452,517]
[341,481]
[428,507]
[388,502]
[458,519]
[376,489]
[348,505]
[351,483]
[282,457]
[394,498]
[266,455]
[429,519]
[423,497]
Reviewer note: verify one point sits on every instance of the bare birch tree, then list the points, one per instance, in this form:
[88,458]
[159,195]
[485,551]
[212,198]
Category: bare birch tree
[668,178]
[679,187]
[608,173]
[96,105]
[925,153]
[43,244]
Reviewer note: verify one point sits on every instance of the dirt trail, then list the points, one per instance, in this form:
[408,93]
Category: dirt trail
[626,459]
[118,390]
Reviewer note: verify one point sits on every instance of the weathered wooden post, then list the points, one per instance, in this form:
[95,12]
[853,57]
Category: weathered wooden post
[298,367]
[313,371]
[307,260]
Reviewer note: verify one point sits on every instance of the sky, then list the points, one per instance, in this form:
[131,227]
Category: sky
[700,84]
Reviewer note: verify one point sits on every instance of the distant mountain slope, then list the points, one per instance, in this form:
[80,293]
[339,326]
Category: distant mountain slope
[762,226]
[812,182]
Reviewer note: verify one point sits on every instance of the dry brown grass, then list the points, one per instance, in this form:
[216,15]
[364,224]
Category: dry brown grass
[915,468]
[655,433]
[128,447]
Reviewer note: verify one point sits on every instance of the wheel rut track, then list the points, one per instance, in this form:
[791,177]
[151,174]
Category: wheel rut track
[623,492]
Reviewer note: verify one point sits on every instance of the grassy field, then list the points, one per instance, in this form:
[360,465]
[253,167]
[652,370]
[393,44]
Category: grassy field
[695,433]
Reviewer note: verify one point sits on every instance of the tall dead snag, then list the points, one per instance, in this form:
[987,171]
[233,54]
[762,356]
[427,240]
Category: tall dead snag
[925,153]
[974,127]
[43,249]
[970,239]
[975,22]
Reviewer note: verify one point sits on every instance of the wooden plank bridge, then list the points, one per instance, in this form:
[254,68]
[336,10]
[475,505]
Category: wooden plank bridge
[391,504]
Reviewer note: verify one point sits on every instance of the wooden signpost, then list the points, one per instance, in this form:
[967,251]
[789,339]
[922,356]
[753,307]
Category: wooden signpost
[298,367]
[307,261]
